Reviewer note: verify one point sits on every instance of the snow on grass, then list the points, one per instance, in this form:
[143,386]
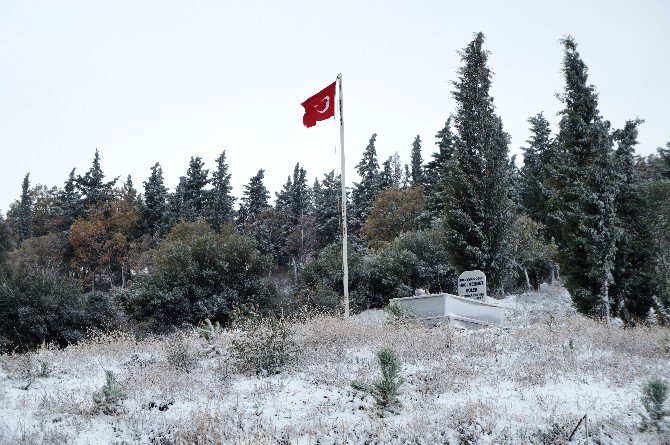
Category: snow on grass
[529,382]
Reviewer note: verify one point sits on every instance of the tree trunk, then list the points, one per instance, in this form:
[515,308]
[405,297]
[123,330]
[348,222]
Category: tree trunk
[525,273]
[553,274]
[606,301]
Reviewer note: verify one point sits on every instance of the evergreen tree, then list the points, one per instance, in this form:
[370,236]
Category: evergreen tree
[69,202]
[194,195]
[300,200]
[533,191]
[327,196]
[436,170]
[25,210]
[294,201]
[254,200]
[221,201]
[417,174]
[634,282]
[479,211]
[663,162]
[406,178]
[92,187]
[129,193]
[587,186]
[5,245]
[391,175]
[365,192]
[386,175]
[155,203]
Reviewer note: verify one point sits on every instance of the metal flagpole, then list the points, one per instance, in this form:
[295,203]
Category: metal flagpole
[345,264]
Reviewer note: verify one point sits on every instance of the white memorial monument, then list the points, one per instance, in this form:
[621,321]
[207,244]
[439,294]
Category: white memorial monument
[469,308]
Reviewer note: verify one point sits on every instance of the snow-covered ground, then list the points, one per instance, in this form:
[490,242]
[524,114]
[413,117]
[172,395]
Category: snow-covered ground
[529,382]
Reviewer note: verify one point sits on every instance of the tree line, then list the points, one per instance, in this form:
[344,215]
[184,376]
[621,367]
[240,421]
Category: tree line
[583,207]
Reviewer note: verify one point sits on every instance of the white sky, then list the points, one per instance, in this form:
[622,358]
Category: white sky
[159,81]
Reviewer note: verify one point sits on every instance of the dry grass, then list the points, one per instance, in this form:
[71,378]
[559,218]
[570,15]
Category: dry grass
[527,383]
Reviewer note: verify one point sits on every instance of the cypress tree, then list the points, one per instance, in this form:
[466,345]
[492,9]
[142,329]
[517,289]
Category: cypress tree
[129,193]
[391,175]
[533,191]
[327,210]
[365,192]
[25,210]
[194,195]
[254,200]
[69,201]
[664,160]
[5,245]
[300,200]
[386,175]
[633,275]
[479,211]
[436,170]
[417,173]
[92,187]
[155,203]
[587,186]
[221,201]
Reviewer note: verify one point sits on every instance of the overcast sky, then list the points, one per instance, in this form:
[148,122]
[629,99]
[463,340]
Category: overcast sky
[160,81]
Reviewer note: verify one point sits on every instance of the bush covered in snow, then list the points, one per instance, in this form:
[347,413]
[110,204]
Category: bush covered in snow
[39,305]
[200,274]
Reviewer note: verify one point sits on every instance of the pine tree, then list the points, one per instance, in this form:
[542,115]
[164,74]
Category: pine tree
[436,170]
[92,187]
[25,210]
[5,245]
[391,175]
[254,200]
[69,202]
[634,282]
[155,203]
[586,189]
[406,178]
[479,211]
[300,200]
[533,191]
[386,175]
[294,201]
[221,201]
[664,160]
[365,192]
[417,174]
[194,195]
[327,196]
[129,193]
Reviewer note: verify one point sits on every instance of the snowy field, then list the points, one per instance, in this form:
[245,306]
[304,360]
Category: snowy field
[528,383]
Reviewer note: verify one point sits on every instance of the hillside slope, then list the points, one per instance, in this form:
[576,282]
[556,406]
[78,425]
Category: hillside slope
[530,382]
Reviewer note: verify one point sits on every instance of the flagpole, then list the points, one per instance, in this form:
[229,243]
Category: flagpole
[345,264]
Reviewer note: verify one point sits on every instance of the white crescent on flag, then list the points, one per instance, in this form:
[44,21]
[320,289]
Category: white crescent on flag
[327,99]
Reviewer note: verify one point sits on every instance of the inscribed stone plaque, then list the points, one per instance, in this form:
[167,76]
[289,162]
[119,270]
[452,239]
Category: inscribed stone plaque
[472,284]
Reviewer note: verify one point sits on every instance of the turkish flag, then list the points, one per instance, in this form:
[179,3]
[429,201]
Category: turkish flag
[319,107]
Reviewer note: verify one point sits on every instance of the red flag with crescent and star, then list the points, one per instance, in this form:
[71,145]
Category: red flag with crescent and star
[319,107]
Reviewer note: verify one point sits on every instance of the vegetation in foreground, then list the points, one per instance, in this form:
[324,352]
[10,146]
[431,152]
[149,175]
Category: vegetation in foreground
[528,383]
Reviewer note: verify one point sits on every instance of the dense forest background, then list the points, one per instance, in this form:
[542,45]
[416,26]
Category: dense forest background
[99,253]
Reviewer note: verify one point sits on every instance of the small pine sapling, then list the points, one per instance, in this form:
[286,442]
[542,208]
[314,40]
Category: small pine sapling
[385,391]
[654,394]
[208,330]
[108,399]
